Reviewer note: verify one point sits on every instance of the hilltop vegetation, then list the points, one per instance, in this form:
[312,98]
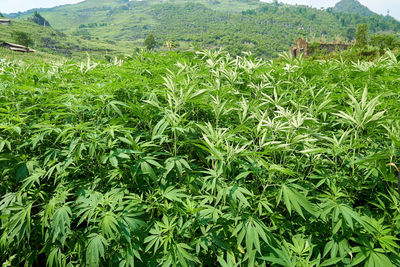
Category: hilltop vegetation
[200,159]
[265,29]
[352,6]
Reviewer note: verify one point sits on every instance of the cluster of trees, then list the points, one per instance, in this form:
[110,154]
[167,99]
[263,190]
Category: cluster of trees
[150,43]
[92,25]
[380,40]
[366,46]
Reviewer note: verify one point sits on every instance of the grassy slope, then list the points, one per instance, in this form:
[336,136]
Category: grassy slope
[48,41]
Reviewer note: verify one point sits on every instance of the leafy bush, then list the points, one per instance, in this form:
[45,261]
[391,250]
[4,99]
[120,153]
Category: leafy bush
[150,42]
[22,38]
[362,35]
[385,41]
[200,159]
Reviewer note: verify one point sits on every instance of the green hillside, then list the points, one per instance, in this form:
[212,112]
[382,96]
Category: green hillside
[265,29]
[48,41]
[354,7]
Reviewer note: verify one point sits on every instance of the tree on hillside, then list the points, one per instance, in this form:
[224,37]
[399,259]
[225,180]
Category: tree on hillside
[150,42]
[350,34]
[385,41]
[362,35]
[22,38]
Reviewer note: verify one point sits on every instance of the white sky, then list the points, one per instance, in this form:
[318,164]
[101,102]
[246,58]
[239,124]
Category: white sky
[10,6]
[379,6]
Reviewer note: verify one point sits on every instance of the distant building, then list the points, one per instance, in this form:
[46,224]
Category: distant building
[306,49]
[5,21]
[18,48]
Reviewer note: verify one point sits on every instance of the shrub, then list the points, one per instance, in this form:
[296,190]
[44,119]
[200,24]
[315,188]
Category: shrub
[22,38]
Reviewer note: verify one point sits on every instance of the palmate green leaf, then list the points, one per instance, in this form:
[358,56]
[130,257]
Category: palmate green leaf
[178,163]
[184,256]
[378,259]
[252,230]
[7,200]
[330,262]
[87,206]
[114,106]
[230,260]
[56,258]
[371,258]
[382,233]
[348,214]
[19,224]
[128,255]
[61,223]
[158,130]
[280,169]
[280,257]
[294,199]
[109,224]
[33,179]
[95,249]
[389,243]
[5,143]
[238,195]
[133,221]
[341,213]
[146,167]
[174,194]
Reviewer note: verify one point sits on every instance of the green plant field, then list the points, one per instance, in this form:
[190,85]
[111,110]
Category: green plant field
[200,159]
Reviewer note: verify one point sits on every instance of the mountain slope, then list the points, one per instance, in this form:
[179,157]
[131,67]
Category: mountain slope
[50,41]
[353,7]
[265,29]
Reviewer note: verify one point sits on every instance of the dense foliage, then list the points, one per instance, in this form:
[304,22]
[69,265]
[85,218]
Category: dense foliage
[266,29]
[203,158]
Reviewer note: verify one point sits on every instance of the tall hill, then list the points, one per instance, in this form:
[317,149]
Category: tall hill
[353,7]
[266,29]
